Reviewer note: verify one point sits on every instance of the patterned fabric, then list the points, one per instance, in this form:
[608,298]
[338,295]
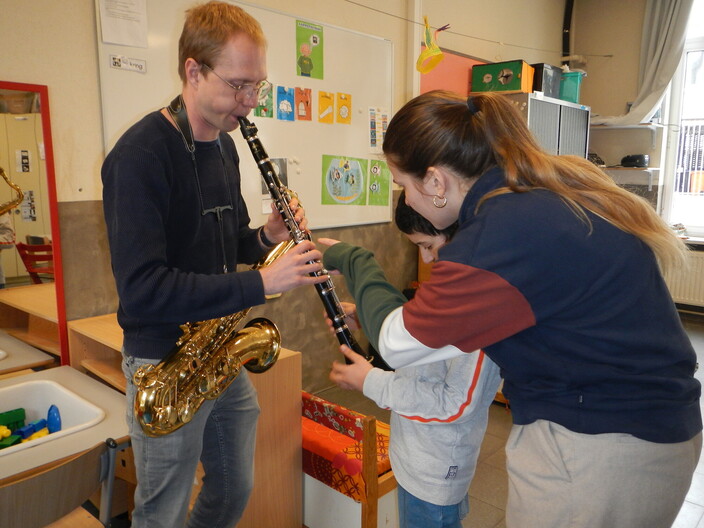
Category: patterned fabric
[332,449]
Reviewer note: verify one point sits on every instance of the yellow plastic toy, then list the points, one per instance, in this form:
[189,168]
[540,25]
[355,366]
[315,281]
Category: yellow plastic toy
[38,434]
[4,432]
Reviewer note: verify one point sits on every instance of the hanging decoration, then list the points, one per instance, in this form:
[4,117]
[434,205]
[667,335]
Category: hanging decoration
[431,55]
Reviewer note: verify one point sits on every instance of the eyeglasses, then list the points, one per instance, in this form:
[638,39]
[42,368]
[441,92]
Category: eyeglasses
[245,91]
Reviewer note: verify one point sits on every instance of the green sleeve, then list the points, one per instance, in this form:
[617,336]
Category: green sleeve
[374,296]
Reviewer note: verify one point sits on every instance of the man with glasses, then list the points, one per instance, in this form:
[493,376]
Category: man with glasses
[177,227]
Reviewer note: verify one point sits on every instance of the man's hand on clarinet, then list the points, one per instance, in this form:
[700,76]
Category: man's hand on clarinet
[293,269]
[275,228]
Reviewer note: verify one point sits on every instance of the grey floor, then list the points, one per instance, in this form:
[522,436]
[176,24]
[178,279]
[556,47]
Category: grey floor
[489,488]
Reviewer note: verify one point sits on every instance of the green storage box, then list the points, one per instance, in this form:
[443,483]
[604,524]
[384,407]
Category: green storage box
[570,84]
[509,76]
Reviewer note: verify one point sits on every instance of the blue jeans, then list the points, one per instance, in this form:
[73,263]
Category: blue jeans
[416,513]
[221,435]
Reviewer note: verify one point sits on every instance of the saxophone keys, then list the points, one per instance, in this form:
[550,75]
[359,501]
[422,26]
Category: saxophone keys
[207,383]
[165,415]
[185,412]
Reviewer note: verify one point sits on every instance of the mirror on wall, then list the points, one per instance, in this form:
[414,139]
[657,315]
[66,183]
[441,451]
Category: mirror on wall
[31,286]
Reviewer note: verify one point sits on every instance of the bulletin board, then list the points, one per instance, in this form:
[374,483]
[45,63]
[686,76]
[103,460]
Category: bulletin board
[325,130]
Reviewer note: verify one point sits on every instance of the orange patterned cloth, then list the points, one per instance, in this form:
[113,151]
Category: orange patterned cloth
[332,450]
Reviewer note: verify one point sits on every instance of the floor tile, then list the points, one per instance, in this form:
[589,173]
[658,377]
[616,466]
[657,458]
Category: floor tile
[696,491]
[689,516]
[497,459]
[491,445]
[499,421]
[482,515]
[490,485]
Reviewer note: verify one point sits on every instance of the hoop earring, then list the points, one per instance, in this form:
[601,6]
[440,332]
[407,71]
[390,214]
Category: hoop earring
[442,203]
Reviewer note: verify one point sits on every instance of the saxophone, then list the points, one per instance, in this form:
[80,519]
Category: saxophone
[205,361]
[281,197]
[11,204]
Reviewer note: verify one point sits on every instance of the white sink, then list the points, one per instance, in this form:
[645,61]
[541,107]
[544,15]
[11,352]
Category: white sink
[36,397]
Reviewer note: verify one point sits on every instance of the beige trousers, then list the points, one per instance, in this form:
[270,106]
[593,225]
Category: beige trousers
[562,479]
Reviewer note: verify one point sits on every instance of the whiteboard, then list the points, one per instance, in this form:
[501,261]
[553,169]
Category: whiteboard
[136,80]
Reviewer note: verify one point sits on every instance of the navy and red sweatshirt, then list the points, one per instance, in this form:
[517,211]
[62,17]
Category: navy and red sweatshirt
[577,316]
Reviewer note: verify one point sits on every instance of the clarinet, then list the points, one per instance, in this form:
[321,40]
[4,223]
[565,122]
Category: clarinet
[281,197]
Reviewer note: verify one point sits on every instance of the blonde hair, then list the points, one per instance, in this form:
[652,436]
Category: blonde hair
[207,29]
[444,131]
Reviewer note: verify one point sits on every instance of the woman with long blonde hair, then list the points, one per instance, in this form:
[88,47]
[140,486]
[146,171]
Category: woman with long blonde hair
[556,273]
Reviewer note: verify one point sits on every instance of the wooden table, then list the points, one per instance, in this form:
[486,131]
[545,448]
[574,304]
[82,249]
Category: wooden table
[18,355]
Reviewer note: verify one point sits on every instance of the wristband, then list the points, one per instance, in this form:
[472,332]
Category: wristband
[264,239]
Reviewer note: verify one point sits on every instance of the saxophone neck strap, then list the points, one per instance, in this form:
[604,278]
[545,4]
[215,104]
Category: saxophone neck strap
[177,111]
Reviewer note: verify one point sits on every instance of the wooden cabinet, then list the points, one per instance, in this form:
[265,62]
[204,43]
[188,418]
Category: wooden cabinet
[277,500]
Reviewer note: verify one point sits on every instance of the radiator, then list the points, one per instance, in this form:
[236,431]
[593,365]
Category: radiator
[687,284]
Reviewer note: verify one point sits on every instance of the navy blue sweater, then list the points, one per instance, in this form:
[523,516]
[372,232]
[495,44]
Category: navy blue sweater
[167,257]
[579,319]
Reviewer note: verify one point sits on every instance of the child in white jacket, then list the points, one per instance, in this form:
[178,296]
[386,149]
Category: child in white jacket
[439,411]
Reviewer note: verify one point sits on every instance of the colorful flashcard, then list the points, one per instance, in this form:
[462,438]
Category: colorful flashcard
[344,108]
[265,105]
[379,183]
[344,180]
[326,107]
[303,104]
[378,123]
[284,103]
[309,50]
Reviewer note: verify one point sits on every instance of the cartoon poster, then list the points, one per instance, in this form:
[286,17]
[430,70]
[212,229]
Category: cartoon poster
[265,105]
[344,181]
[344,108]
[303,104]
[326,107]
[309,50]
[379,183]
[284,103]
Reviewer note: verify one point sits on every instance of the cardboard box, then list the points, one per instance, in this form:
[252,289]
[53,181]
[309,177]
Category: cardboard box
[546,79]
[509,76]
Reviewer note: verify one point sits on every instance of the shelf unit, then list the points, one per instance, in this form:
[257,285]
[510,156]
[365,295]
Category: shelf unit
[613,142]
[30,314]
[651,127]
[95,347]
[635,175]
